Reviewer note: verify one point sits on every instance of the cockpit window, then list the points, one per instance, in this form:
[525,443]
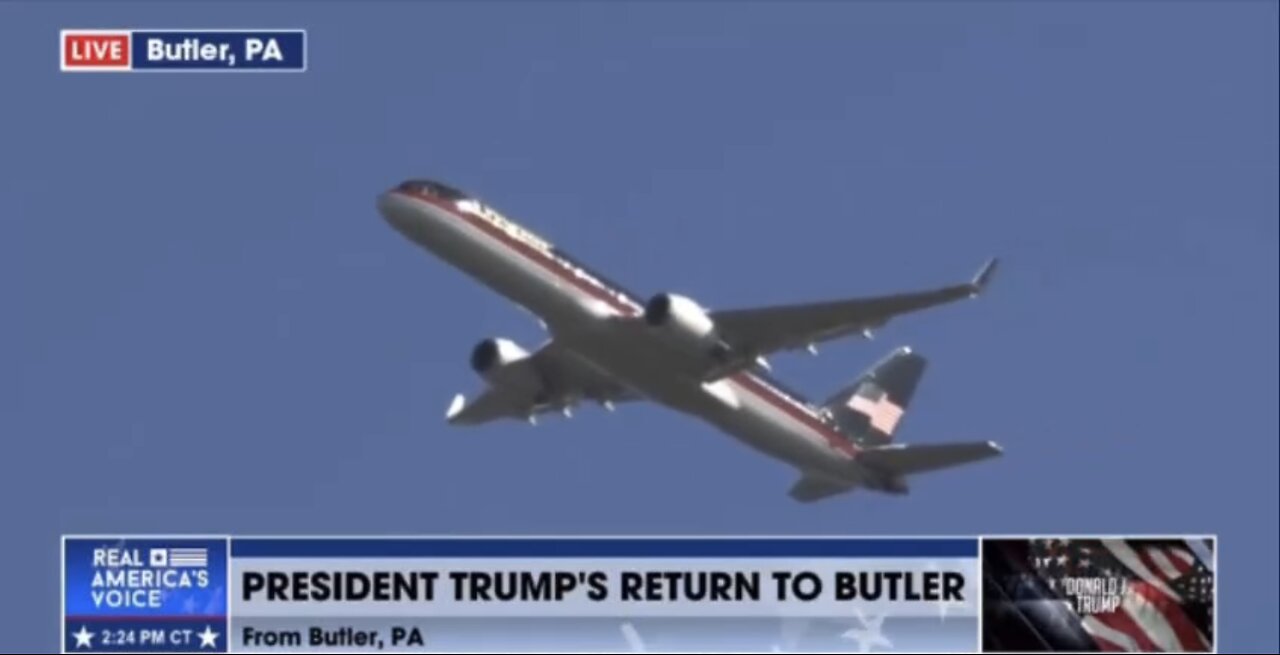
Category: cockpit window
[432,188]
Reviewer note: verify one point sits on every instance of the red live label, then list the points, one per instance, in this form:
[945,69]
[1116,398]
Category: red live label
[101,50]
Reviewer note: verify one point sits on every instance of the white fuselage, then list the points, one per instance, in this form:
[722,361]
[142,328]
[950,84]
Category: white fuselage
[600,324]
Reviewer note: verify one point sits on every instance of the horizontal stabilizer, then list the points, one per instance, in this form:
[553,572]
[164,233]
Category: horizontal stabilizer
[921,458]
[809,489]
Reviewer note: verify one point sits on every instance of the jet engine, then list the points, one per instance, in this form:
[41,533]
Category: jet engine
[498,361]
[683,320]
[495,353]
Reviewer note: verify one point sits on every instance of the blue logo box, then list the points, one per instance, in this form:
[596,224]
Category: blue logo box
[149,594]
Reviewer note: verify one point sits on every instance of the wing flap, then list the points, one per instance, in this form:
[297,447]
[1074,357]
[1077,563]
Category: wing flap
[569,376]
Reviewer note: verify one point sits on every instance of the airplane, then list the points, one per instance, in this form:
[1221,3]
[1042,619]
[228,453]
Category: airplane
[607,345]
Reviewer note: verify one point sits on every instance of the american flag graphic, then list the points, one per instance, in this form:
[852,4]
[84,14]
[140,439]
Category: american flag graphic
[1099,595]
[180,557]
[883,412]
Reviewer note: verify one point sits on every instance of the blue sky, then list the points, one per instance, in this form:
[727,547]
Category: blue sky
[208,328]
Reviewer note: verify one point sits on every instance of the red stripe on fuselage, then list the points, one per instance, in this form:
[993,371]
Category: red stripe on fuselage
[770,394]
[748,382]
[538,256]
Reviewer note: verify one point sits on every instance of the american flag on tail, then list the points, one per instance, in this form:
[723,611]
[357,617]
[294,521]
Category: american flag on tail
[1099,595]
[883,413]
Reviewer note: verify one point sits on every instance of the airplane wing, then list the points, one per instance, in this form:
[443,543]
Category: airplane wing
[564,379]
[921,458]
[493,404]
[771,329]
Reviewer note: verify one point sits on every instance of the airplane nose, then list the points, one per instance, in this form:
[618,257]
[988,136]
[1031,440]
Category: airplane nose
[385,205]
[393,209]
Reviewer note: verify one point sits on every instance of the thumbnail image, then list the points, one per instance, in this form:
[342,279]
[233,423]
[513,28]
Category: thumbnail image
[1149,595]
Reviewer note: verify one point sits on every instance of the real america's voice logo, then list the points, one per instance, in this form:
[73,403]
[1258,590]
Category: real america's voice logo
[123,578]
[149,594]
[128,50]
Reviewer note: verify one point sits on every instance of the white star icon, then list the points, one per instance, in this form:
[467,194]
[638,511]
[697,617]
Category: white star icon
[792,630]
[869,635]
[84,638]
[632,636]
[634,642]
[208,638]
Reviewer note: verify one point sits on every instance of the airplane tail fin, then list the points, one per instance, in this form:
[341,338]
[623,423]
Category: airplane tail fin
[873,406]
